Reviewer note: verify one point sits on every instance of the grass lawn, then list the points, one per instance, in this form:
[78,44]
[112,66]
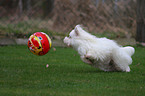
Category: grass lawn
[24,74]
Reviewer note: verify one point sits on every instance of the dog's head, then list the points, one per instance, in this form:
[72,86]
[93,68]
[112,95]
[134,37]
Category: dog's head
[78,36]
[74,34]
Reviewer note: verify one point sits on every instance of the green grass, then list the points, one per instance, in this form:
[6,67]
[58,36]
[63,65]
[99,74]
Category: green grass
[24,74]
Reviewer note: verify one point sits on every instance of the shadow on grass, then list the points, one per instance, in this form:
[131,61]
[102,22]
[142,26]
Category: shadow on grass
[96,71]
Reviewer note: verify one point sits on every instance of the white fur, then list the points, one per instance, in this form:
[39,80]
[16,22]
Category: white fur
[102,53]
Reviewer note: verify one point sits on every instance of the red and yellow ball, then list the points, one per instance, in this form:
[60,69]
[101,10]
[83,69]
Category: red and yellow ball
[39,43]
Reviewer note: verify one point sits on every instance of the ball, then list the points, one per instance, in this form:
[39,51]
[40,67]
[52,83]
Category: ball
[39,43]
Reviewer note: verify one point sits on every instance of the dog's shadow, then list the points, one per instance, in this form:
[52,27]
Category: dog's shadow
[90,71]
[96,71]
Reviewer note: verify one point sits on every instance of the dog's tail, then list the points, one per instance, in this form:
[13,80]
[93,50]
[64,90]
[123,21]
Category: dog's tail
[129,50]
[122,57]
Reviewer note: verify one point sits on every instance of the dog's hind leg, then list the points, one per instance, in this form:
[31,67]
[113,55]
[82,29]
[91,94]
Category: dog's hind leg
[121,59]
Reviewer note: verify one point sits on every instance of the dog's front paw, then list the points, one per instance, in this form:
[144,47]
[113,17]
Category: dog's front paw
[89,57]
[87,60]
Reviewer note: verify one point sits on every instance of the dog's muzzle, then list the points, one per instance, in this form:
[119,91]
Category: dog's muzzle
[67,41]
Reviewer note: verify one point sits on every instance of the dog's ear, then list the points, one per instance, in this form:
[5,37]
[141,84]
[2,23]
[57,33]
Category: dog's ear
[77,32]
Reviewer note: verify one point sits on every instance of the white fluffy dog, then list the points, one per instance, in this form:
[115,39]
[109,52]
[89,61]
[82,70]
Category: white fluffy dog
[100,52]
